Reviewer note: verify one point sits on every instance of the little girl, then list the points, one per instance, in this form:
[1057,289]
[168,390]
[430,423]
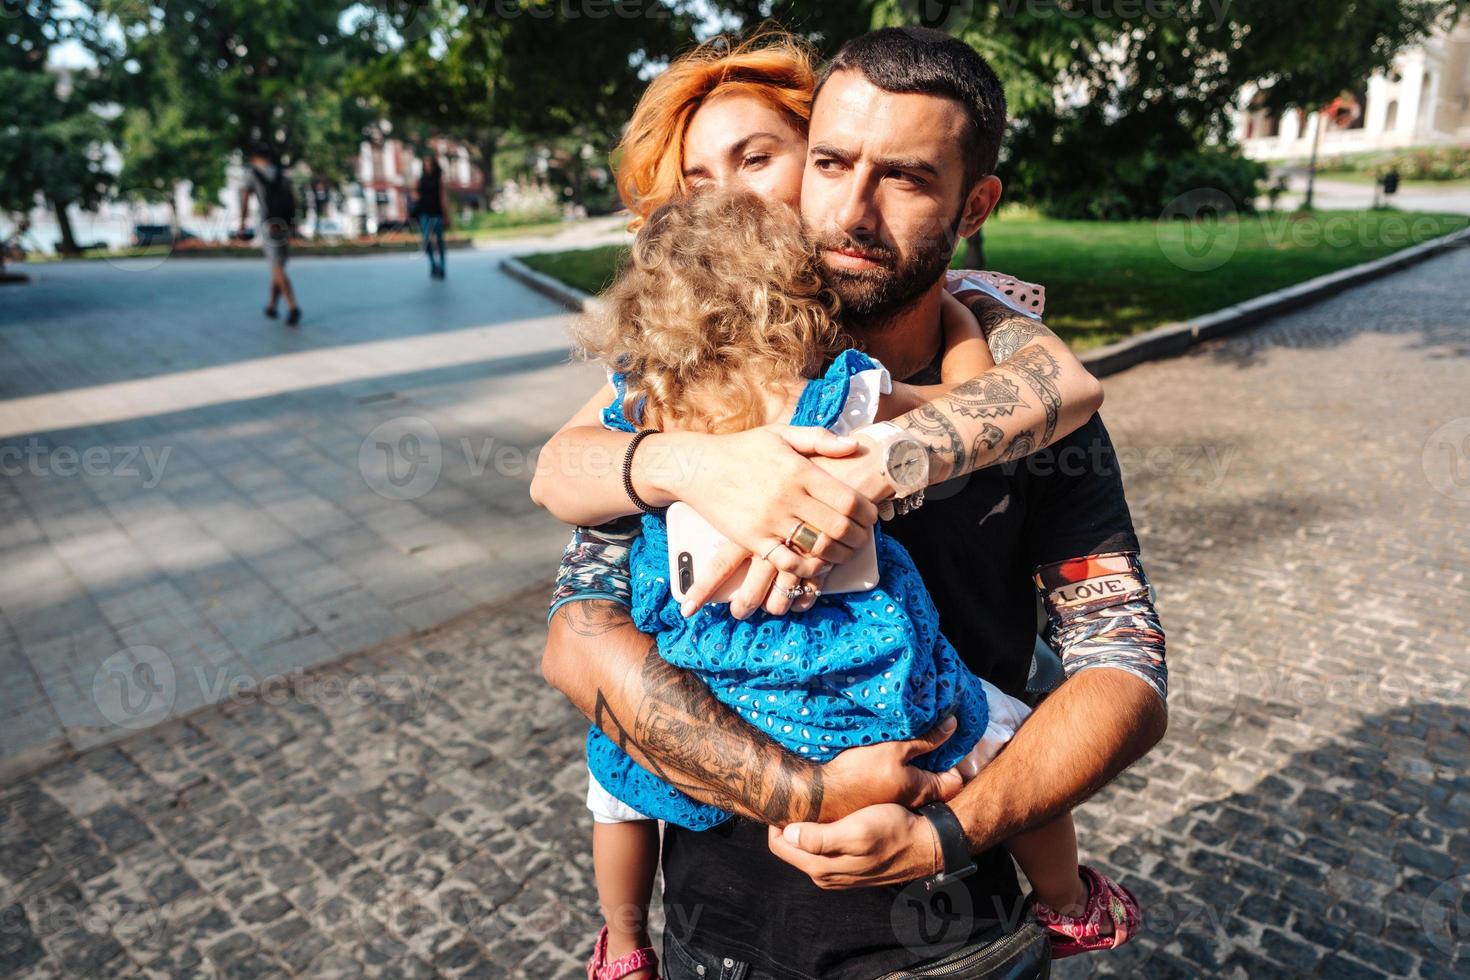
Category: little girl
[721,323]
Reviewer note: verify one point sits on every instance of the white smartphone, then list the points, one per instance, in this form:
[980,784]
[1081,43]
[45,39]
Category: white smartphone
[693,542]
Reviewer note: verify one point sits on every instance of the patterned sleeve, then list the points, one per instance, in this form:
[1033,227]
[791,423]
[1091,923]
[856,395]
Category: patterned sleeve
[1101,613]
[595,564]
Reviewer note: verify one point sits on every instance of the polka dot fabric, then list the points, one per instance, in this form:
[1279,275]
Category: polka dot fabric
[1027,297]
[855,669]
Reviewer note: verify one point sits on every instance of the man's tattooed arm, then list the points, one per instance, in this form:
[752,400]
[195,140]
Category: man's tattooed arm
[667,720]
[1040,369]
[1005,330]
[1037,392]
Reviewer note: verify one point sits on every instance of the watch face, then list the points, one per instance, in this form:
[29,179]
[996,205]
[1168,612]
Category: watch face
[908,466]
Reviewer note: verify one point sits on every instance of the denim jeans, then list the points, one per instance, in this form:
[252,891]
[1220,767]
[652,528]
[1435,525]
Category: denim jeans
[1022,955]
[431,227]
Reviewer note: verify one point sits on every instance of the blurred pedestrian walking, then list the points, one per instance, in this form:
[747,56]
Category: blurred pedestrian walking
[432,209]
[272,188]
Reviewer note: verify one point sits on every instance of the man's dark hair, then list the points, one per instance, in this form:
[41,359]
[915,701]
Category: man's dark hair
[929,62]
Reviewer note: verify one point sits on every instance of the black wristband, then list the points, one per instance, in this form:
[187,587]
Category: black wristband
[952,844]
[638,501]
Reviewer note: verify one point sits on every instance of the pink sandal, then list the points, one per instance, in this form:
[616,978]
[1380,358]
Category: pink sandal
[598,968]
[1107,901]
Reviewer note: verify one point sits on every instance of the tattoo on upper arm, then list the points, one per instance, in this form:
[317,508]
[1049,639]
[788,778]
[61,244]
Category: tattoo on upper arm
[736,766]
[594,617]
[1040,370]
[1005,330]
[938,433]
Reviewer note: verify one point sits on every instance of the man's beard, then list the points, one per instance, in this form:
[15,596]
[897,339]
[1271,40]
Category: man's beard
[872,297]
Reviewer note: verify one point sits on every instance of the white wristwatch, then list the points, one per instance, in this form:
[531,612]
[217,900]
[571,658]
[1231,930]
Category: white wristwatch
[903,459]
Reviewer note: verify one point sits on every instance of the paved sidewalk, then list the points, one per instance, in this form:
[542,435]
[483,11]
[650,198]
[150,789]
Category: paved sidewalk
[194,497]
[1302,492]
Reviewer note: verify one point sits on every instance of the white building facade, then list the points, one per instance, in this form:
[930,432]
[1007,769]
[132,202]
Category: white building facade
[1424,100]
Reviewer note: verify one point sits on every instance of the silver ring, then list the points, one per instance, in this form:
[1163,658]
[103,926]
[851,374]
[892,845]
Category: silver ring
[797,591]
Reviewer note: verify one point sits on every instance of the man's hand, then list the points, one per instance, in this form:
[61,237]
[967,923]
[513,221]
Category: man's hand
[670,723]
[882,773]
[885,844]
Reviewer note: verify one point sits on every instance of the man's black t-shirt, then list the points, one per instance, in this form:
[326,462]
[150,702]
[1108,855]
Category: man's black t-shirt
[977,541]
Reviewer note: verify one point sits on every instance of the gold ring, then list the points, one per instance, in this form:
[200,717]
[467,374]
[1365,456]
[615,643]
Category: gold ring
[804,538]
[770,551]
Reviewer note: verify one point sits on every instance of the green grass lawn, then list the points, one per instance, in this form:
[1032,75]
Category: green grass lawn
[1369,179]
[516,231]
[1107,280]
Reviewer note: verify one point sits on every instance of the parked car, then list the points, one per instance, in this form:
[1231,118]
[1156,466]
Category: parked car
[146,235]
[328,228]
[397,228]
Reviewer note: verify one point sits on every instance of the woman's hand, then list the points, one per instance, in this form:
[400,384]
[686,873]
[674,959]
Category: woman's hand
[756,486]
[763,584]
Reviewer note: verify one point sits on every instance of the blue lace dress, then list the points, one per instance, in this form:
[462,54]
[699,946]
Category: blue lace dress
[854,669]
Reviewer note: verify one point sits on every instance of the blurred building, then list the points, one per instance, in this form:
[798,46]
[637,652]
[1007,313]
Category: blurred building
[384,182]
[377,198]
[1424,100]
[388,173]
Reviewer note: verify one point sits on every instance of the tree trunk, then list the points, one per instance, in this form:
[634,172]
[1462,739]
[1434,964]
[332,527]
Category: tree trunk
[975,249]
[1312,164]
[486,147]
[68,243]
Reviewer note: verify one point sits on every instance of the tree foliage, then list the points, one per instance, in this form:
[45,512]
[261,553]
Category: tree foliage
[518,69]
[52,136]
[202,79]
[1099,100]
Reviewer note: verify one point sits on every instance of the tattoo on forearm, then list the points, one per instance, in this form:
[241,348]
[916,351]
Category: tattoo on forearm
[989,396]
[1022,444]
[1040,370]
[721,759]
[595,617]
[946,448]
[987,440]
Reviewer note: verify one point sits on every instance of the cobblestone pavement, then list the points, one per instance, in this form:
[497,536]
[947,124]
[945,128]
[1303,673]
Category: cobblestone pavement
[418,810]
[192,490]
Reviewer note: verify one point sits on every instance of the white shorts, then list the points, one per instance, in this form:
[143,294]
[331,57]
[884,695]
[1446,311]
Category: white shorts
[607,808]
[1006,715]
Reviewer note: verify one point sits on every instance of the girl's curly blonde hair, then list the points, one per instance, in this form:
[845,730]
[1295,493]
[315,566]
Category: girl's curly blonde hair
[719,307]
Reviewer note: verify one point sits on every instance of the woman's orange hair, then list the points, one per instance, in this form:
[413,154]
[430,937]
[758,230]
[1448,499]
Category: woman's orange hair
[773,66]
